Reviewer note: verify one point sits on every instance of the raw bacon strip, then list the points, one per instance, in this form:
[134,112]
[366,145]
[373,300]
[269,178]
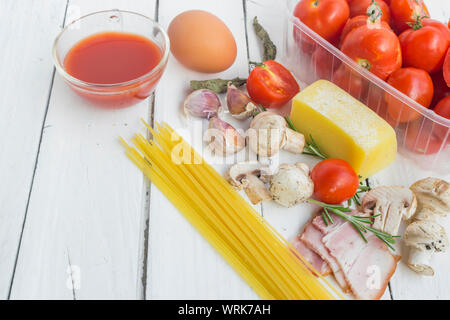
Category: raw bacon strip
[367,267]
[312,237]
[314,259]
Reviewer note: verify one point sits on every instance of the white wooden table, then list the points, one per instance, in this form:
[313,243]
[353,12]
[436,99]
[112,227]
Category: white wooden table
[77,219]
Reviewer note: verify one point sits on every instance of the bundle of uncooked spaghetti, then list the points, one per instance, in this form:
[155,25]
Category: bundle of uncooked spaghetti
[266,261]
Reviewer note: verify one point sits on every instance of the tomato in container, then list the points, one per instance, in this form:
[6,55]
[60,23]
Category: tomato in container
[443,109]
[351,81]
[374,48]
[446,68]
[356,22]
[421,137]
[359,7]
[424,46]
[404,12]
[416,84]
[108,61]
[325,17]
[441,90]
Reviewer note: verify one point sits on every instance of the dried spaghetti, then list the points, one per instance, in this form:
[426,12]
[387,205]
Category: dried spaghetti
[266,261]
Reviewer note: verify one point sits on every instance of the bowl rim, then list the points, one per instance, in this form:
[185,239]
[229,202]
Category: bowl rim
[81,83]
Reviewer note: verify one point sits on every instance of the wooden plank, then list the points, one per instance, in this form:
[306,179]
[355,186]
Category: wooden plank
[82,234]
[27,72]
[182,265]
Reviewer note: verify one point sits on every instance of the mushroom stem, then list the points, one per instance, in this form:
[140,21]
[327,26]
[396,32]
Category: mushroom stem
[295,141]
[419,261]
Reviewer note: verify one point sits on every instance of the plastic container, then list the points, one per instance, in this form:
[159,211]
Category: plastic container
[425,141]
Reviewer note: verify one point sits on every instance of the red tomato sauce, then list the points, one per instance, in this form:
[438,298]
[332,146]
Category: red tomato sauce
[113,58]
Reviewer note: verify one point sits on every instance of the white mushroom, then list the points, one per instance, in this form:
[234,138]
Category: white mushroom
[269,133]
[223,138]
[424,238]
[291,184]
[433,196]
[390,204]
[250,176]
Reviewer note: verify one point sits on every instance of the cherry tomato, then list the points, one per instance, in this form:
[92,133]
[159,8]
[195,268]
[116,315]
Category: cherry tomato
[359,7]
[271,85]
[375,48]
[325,17]
[335,181]
[424,47]
[407,11]
[417,85]
[441,90]
[446,68]
[443,109]
[356,22]
[421,138]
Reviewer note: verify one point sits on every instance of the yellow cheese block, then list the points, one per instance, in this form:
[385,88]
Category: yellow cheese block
[344,128]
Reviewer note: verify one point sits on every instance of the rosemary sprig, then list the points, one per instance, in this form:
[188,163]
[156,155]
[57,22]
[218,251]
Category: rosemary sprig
[360,223]
[361,189]
[311,148]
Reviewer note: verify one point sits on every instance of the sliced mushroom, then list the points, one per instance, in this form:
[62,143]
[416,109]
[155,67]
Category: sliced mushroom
[291,184]
[250,176]
[424,238]
[433,196]
[425,235]
[390,204]
[223,138]
[269,133]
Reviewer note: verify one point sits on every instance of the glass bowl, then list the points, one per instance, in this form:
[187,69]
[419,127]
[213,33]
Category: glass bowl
[116,95]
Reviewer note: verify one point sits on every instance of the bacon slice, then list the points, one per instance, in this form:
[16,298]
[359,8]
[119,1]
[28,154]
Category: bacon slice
[367,267]
[313,258]
[312,236]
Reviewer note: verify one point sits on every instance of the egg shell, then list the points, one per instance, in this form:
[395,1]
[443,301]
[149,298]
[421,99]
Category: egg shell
[202,42]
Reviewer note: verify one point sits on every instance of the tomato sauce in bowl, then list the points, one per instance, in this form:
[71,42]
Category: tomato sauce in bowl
[110,68]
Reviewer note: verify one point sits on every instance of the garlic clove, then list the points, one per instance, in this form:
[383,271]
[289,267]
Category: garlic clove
[239,104]
[202,103]
[223,138]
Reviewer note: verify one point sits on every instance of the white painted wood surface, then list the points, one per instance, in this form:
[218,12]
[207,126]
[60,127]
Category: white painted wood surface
[89,217]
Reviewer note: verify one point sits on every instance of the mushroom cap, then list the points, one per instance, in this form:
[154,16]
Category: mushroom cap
[291,184]
[267,135]
[391,204]
[427,236]
[237,173]
[433,197]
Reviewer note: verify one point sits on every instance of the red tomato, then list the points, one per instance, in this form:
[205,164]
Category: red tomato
[446,68]
[271,85]
[434,23]
[441,90]
[335,181]
[421,138]
[375,48]
[356,22]
[424,47]
[417,85]
[443,109]
[325,17]
[359,7]
[407,11]
[350,81]
[322,62]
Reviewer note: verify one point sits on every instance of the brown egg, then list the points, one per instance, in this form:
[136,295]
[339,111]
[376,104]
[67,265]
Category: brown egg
[201,41]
